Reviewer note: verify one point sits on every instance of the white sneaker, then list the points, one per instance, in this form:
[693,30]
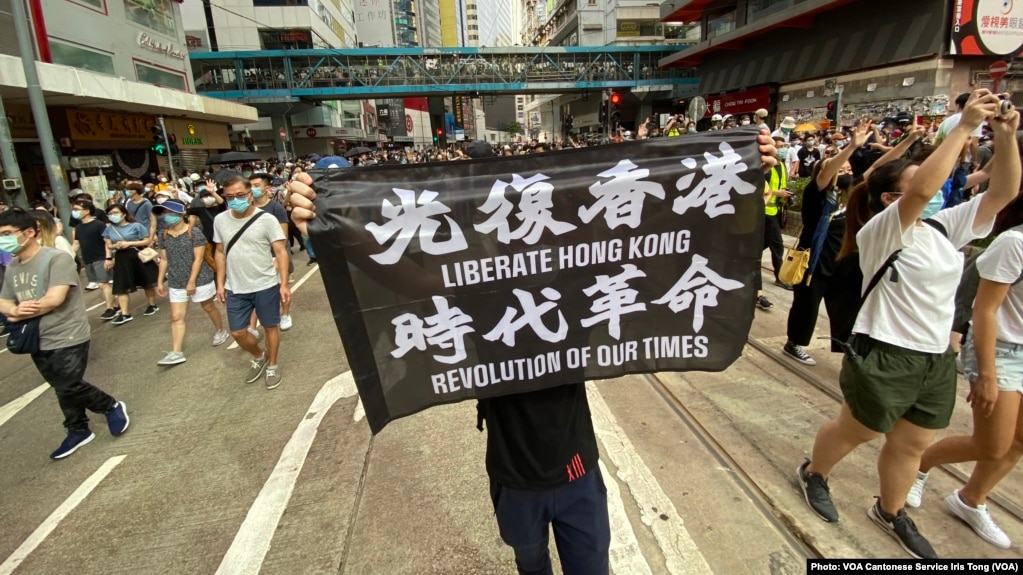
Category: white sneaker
[286,322]
[916,493]
[172,358]
[221,336]
[979,519]
[91,286]
[254,332]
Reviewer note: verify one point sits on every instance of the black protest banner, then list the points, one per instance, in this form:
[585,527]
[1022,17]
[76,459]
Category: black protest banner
[457,280]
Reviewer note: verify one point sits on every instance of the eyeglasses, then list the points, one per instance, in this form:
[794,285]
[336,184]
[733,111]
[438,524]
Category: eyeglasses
[228,198]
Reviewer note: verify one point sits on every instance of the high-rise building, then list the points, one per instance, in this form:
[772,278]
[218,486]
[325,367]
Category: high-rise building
[459,23]
[497,28]
[429,23]
[219,25]
[387,23]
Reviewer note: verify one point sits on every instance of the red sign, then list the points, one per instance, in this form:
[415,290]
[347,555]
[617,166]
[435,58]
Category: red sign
[284,135]
[408,124]
[739,102]
[311,132]
[998,69]
[986,28]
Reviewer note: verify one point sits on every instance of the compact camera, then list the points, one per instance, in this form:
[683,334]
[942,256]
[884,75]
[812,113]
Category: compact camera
[1005,107]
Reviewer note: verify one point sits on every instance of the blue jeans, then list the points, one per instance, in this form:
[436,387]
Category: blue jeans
[578,512]
[308,247]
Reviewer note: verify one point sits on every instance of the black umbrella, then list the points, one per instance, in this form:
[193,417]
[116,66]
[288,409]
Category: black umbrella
[222,175]
[232,157]
[357,151]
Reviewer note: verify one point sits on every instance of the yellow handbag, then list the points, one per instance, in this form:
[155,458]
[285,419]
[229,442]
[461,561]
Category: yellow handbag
[795,264]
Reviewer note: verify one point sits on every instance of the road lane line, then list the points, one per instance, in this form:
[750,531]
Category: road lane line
[298,284]
[95,306]
[625,556]
[8,411]
[360,412]
[58,515]
[252,542]
[681,553]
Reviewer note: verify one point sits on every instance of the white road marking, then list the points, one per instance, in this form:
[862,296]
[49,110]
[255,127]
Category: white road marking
[251,543]
[680,551]
[95,306]
[294,288]
[626,558]
[360,412]
[8,411]
[58,515]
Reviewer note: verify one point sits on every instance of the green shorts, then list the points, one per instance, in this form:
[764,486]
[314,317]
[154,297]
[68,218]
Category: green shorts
[883,383]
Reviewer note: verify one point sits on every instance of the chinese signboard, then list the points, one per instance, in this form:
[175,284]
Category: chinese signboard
[480,278]
[739,102]
[97,125]
[987,27]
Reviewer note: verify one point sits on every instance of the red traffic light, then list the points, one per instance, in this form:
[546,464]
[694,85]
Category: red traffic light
[440,132]
[616,98]
[831,105]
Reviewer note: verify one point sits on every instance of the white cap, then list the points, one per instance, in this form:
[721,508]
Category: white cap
[194,177]
[715,118]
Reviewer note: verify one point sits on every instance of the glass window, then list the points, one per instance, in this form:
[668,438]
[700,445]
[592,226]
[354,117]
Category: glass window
[70,55]
[158,77]
[761,8]
[157,15]
[720,23]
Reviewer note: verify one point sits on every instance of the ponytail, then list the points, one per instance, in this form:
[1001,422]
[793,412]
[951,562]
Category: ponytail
[857,214]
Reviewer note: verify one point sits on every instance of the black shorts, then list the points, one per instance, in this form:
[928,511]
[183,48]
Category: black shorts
[130,273]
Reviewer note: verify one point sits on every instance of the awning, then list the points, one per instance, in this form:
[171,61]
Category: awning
[66,86]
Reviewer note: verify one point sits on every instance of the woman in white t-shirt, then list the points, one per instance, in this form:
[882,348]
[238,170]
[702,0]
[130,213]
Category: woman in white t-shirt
[898,376]
[993,360]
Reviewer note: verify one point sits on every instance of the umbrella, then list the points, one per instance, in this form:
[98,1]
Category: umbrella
[807,127]
[357,151]
[329,161]
[232,157]
[222,175]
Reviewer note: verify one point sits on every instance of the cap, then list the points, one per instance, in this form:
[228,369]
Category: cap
[789,122]
[761,113]
[194,177]
[172,206]
[715,118]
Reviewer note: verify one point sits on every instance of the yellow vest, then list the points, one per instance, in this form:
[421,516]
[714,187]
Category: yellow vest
[777,180]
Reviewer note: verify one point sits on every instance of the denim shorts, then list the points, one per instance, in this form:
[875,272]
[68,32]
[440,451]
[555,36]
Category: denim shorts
[1008,364]
[266,304]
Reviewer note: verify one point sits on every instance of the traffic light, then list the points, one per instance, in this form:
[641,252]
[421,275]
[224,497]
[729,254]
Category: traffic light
[615,100]
[159,142]
[438,135]
[173,139]
[832,113]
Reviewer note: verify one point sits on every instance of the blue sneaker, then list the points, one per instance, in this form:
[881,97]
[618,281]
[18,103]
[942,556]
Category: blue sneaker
[117,419]
[75,439]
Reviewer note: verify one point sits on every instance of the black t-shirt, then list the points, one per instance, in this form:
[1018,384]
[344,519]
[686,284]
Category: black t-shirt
[90,240]
[807,159]
[205,215]
[812,210]
[539,440]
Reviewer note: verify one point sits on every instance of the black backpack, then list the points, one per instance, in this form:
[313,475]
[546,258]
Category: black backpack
[844,290]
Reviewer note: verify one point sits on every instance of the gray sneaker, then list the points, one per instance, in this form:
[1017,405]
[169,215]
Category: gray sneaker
[256,368]
[273,377]
[903,530]
[816,493]
[172,358]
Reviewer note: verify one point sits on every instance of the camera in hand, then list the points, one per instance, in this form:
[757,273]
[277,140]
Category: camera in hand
[1005,107]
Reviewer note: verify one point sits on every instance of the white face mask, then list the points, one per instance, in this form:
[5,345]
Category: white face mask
[208,201]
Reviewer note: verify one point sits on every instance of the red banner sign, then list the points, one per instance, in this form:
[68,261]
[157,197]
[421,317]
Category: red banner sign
[739,102]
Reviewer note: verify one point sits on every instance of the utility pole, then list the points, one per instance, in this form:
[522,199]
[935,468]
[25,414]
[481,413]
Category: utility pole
[35,98]
[166,142]
[10,161]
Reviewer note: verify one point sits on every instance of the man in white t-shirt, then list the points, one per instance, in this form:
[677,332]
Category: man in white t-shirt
[946,126]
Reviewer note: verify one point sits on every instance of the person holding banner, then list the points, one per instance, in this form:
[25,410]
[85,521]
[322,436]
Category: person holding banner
[542,454]
[898,375]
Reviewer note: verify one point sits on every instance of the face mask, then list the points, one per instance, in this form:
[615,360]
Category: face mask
[810,143]
[76,214]
[246,174]
[161,200]
[783,154]
[149,189]
[116,218]
[786,130]
[163,180]
[933,206]
[208,201]
[10,245]
[171,219]
[844,181]
[745,122]
[112,193]
[257,193]
[238,205]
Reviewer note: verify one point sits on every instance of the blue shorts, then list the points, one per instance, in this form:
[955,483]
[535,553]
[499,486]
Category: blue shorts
[1008,363]
[266,304]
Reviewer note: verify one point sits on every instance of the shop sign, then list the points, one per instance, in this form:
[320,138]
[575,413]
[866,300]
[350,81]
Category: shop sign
[149,43]
[739,102]
[328,132]
[98,125]
[82,162]
[986,28]
[192,141]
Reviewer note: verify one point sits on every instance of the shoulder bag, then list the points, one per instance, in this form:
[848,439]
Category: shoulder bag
[245,226]
[24,335]
[795,264]
[146,254]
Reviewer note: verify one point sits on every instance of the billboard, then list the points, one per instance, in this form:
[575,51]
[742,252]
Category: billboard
[987,28]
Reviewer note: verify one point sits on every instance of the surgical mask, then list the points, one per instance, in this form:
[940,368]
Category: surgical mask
[844,181]
[116,218]
[933,206]
[10,245]
[171,219]
[257,193]
[149,189]
[112,193]
[810,142]
[246,173]
[76,214]
[163,180]
[786,130]
[208,201]
[783,154]
[238,204]
[161,200]
[744,122]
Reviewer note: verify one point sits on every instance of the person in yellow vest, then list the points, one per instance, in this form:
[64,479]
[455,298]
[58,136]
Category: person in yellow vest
[778,182]
[674,126]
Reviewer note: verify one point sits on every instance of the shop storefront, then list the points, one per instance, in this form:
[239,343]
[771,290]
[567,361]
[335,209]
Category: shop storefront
[197,140]
[111,145]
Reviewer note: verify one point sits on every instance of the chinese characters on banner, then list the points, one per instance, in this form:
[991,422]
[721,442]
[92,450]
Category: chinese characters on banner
[458,280]
[987,28]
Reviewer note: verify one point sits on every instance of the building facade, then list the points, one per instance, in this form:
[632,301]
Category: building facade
[223,25]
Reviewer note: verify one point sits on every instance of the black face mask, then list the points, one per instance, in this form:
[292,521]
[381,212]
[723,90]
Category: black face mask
[844,181]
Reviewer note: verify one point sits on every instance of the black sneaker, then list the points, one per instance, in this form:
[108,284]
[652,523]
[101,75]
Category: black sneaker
[902,528]
[817,493]
[109,314]
[121,319]
[764,303]
[783,285]
[312,261]
[151,310]
[798,353]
